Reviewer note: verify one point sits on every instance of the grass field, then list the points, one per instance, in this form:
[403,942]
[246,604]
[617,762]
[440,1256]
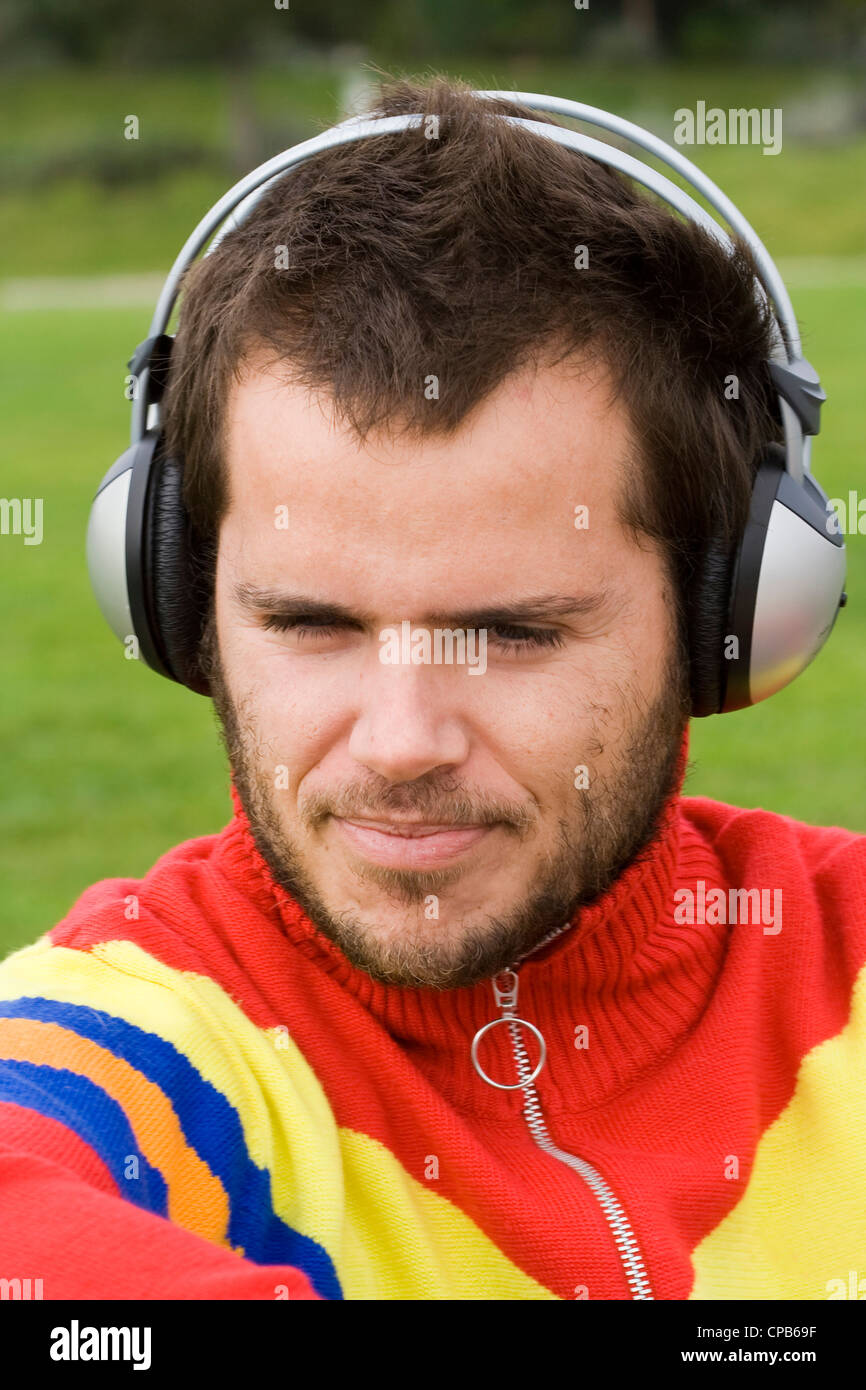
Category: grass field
[807,201]
[105,765]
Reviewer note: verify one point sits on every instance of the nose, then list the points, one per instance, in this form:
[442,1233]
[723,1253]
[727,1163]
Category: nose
[408,724]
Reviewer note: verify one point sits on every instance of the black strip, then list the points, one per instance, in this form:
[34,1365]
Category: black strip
[137,578]
[154,357]
[734,682]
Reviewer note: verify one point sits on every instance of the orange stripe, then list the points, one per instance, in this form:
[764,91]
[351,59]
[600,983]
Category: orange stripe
[197,1200]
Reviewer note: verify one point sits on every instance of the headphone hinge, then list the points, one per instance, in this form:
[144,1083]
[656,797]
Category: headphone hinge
[797,383]
[154,357]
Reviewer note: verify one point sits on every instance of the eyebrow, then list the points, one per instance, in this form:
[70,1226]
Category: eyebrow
[536,608]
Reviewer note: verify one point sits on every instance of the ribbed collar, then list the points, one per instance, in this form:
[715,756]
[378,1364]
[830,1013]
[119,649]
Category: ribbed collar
[623,970]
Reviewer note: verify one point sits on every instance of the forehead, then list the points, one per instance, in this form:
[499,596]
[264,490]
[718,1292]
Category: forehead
[501,491]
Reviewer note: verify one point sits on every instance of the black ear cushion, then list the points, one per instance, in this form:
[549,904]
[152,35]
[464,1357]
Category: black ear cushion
[174,576]
[710,609]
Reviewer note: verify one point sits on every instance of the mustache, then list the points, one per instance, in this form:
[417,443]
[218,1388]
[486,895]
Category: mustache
[429,804]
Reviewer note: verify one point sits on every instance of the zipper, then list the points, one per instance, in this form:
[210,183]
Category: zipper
[505,986]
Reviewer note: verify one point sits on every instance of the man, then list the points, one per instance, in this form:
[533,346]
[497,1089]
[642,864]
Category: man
[450,482]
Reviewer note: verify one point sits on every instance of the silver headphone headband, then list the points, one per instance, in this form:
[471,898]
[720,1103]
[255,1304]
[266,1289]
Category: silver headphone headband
[237,204]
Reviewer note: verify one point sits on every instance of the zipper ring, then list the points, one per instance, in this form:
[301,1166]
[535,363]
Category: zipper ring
[518,1085]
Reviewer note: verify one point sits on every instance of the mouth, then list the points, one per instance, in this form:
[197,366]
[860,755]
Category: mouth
[410,844]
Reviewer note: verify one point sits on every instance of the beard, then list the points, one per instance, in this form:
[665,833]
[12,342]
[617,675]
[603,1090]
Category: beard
[615,819]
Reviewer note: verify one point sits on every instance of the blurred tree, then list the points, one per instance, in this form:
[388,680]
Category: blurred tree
[641,20]
[235,33]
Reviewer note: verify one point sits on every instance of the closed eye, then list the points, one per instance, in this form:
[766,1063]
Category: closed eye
[518,638]
[303,626]
[507,636]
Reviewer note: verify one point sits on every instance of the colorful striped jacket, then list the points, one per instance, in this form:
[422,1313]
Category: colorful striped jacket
[201,1098]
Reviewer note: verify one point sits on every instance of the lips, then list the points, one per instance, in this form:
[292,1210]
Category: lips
[410,845]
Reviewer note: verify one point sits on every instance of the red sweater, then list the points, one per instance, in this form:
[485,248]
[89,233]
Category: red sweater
[201,1098]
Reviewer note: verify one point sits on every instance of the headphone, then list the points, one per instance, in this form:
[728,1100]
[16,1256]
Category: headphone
[757,616]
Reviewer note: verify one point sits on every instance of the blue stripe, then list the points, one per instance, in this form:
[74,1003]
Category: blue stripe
[211,1126]
[94,1116]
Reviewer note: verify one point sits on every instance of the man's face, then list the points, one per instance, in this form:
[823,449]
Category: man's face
[434,820]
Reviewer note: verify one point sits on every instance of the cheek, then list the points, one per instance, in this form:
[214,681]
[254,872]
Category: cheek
[298,718]
[540,726]
[278,716]
[581,713]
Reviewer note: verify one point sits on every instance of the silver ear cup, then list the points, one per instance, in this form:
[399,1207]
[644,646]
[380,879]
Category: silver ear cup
[787,589]
[118,535]
[106,546]
[798,598]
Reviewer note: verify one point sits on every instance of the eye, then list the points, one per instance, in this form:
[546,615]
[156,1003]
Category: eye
[509,637]
[303,627]
[514,638]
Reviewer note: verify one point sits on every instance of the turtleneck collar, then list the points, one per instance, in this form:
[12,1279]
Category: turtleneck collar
[622,969]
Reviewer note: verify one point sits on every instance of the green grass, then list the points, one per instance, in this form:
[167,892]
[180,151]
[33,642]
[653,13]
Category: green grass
[106,766]
[807,200]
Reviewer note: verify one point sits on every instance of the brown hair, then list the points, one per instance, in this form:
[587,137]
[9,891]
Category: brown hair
[455,255]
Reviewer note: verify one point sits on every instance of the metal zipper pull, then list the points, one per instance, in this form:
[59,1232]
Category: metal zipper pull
[505,986]
[505,992]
